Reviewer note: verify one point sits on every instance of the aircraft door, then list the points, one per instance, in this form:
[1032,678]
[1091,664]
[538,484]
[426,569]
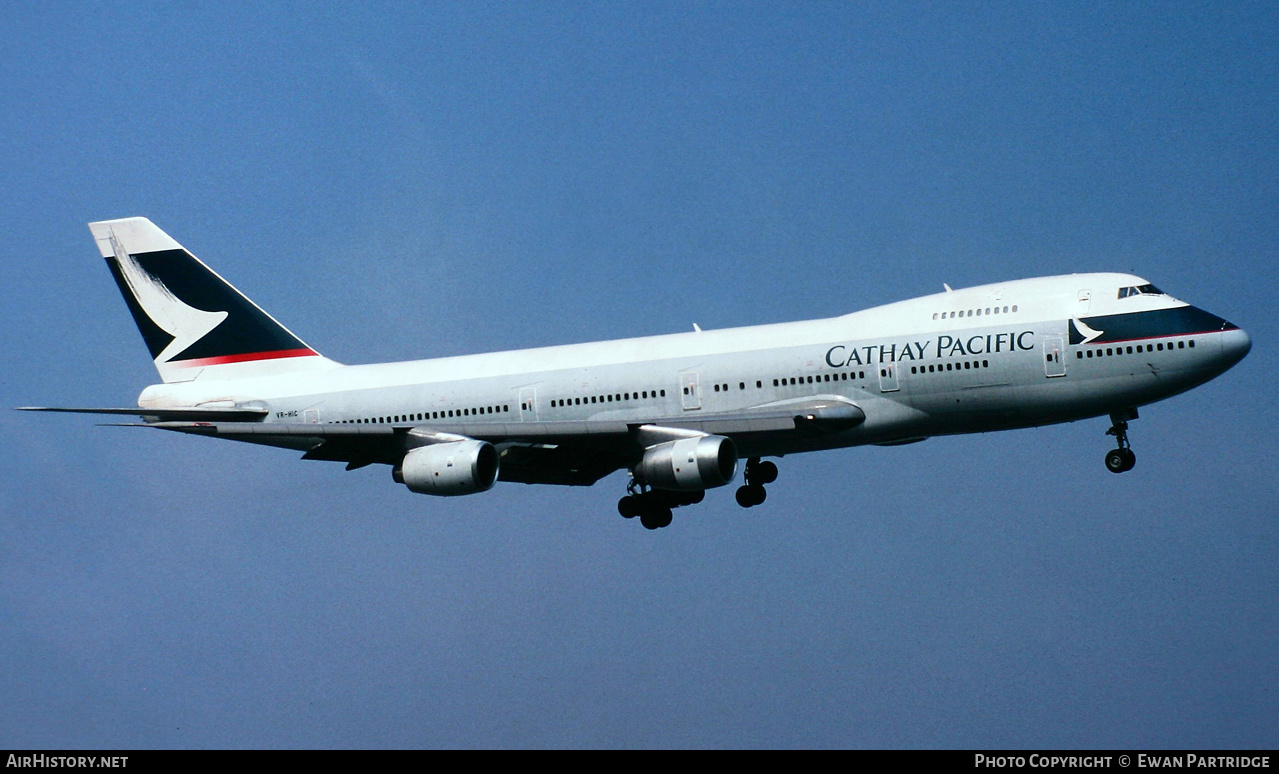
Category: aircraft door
[311,416]
[1054,359]
[528,404]
[690,390]
[888,377]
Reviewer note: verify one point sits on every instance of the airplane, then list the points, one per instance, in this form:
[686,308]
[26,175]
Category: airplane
[678,411]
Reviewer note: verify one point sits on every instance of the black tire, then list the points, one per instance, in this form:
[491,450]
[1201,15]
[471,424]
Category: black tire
[1117,461]
[751,495]
[765,473]
[627,507]
[656,518]
[1130,460]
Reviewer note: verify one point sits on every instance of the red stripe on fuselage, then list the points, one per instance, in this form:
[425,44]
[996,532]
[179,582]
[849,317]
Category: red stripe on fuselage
[246,357]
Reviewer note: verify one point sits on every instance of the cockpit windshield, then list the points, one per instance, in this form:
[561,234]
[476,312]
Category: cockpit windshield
[1140,290]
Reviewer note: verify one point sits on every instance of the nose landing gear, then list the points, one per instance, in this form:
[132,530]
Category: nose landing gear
[757,475]
[1122,459]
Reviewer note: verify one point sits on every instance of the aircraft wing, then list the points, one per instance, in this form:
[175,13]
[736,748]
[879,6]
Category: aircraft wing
[573,453]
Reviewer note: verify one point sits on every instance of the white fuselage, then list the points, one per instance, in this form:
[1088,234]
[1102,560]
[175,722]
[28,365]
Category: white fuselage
[983,358]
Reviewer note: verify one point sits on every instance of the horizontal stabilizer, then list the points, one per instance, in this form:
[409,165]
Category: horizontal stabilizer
[196,414]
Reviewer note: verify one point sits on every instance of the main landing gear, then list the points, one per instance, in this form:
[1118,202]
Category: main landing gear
[653,507]
[757,474]
[1122,459]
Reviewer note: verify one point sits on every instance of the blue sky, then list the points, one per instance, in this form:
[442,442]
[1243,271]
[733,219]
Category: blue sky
[397,181]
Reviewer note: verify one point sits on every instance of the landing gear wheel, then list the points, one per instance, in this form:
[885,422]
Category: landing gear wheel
[751,495]
[656,518]
[760,473]
[764,473]
[628,507]
[1120,460]
[757,475]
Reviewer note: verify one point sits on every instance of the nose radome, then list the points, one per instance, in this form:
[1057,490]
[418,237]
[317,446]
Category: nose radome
[1235,344]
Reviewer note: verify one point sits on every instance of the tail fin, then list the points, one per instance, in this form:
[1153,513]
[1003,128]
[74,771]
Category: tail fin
[193,321]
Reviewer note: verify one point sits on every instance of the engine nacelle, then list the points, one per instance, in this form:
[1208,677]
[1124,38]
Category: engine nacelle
[687,464]
[445,469]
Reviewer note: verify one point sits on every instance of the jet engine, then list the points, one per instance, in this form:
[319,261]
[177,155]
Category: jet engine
[456,468]
[688,464]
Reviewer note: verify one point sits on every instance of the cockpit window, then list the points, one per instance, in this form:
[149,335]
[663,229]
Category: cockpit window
[1140,290]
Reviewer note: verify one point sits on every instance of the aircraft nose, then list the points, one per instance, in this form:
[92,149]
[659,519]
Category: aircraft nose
[1235,344]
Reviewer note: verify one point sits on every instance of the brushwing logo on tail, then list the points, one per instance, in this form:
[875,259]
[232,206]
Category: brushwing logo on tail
[183,322]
